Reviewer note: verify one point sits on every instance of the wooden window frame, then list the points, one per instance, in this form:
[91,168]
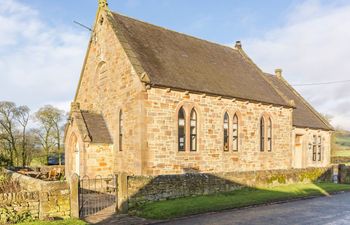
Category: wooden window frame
[226,132]
[262,134]
[183,112]
[235,137]
[121,130]
[193,134]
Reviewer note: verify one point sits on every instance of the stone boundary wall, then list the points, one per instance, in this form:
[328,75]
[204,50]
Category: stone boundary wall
[340,159]
[344,174]
[20,202]
[141,189]
[54,196]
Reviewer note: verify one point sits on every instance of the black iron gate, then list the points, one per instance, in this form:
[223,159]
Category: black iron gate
[97,195]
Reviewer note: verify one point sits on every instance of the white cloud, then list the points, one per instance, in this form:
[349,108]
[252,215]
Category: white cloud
[39,63]
[312,46]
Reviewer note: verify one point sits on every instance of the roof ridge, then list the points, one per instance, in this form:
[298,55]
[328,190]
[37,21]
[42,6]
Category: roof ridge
[308,105]
[262,74]
[177,32]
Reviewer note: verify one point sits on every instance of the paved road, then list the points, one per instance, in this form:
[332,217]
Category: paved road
[333,210]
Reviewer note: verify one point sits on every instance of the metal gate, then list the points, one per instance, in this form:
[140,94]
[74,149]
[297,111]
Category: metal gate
[97,195]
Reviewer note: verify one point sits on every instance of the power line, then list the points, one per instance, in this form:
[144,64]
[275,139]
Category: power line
[323,83]
[82,25]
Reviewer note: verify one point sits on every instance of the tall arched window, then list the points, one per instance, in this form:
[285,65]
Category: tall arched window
[262,134]
[319,142]
[235,133]
[121,130]
[269,135]
[193,130]
[226,130]
[181,130]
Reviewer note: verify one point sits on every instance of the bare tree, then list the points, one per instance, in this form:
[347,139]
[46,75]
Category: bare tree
[22,117]
[50,132]
[8,128]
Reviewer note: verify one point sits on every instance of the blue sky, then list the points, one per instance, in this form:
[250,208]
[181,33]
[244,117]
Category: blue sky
[219,21]
[42,50]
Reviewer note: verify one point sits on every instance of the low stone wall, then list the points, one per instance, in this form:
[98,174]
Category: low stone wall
[340,159]
[20,203]
[141,189]
[54,196]
[344,174]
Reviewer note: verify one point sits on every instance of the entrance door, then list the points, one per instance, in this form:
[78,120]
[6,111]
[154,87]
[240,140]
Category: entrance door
[298,152]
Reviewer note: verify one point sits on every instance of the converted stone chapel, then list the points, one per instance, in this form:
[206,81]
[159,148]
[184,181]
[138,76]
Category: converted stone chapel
[153,101]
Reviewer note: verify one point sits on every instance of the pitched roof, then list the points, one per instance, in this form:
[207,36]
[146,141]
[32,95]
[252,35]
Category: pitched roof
[303,114]
[97,128]
[179,61]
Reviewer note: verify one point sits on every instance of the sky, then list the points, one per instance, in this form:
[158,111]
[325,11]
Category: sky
[42,50]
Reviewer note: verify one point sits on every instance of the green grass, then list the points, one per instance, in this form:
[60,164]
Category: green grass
[341,144]
[57,222]
[239,198]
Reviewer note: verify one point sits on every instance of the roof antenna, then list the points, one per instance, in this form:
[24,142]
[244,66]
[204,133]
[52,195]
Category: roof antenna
[82,25]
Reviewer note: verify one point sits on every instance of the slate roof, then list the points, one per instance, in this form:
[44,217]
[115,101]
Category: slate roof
[97,128]
[179,61]
[303,115]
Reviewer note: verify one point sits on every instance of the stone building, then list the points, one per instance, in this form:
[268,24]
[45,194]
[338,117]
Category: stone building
[153,101]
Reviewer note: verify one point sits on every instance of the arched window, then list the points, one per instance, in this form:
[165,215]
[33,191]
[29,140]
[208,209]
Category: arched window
[314,148]
[262,134]
[269,135]
[226,130]
[319,148]
[193,130]
[181,130]
[121,130]
[235,133]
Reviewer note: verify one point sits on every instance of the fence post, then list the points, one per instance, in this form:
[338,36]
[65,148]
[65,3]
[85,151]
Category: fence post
[122,193]
[74,196]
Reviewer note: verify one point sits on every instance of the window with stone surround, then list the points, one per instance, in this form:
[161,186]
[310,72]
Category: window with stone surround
[262,134]
[314,148]
[121,130]
[319,146]
[181,130]
[226,131]
[269,135]
[193,130]
[235,130]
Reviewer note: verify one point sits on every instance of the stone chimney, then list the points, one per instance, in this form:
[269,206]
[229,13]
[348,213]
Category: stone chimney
[278,73]
[238,45]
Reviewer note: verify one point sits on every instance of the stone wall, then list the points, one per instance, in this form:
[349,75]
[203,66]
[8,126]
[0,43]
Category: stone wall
[340,159]
[163,157]
[141,189]
[20,203]
[109,84]
[302,148]
[53,196]
[344,174]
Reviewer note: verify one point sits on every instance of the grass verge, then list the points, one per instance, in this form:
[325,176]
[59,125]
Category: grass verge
[57,222]
[235,199]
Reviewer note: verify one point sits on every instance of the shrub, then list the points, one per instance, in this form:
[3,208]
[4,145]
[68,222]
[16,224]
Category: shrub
[11,216]
[6,184]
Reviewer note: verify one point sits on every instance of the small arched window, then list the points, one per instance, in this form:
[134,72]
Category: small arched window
[121,130]
[181,129]
[262,134]
[226,130]
[269,135]
[235,133]
[193,130]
